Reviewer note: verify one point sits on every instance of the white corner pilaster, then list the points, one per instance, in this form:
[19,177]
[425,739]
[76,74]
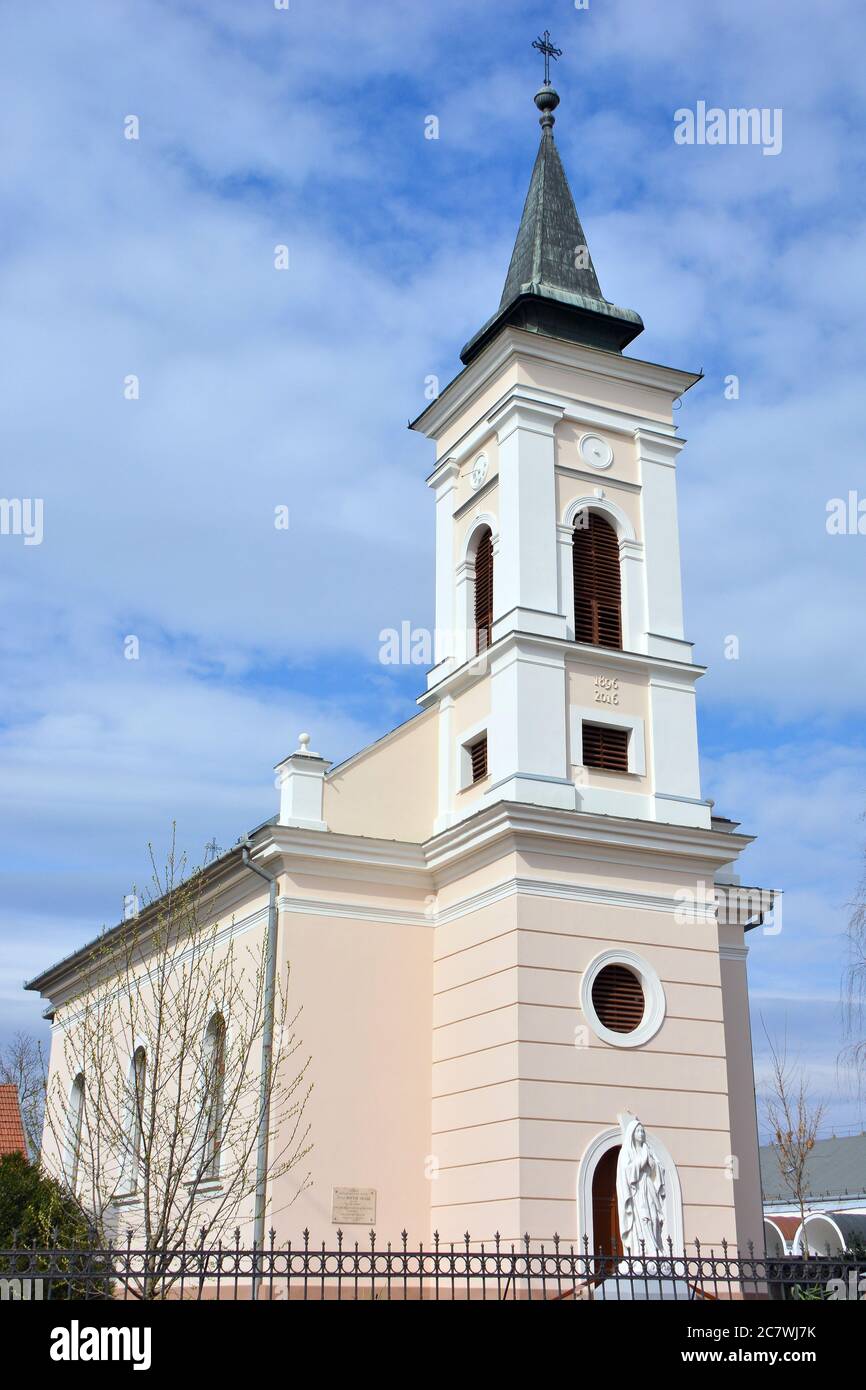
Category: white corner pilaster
[657,455]
[676,769]
[445,780]
[632,568]
[444,484]
[528,744]
[565,566]
[528,572]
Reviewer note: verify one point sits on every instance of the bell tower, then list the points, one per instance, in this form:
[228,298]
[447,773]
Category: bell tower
[582,971]
[557,455]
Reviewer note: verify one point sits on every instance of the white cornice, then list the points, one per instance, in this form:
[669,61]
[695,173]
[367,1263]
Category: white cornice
[355,911]
[572,892]
[612,838]
[509,888]
[465,675]
[482,839]
[514,342]
[309,851]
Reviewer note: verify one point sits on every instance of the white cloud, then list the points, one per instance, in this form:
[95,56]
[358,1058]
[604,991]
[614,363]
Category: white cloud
[260,388]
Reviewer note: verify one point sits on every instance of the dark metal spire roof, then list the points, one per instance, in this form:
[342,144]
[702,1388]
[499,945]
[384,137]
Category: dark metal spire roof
[551,286]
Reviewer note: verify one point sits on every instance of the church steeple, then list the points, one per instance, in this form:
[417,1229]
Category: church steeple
[551,286]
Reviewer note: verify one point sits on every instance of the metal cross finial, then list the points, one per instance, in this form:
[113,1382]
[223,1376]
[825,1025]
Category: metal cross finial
[549,50]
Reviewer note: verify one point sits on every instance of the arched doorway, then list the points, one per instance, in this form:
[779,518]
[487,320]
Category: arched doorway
[606,1146]
[605,1214]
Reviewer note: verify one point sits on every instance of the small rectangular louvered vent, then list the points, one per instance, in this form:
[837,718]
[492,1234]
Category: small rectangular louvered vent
[478,755]
[605,747]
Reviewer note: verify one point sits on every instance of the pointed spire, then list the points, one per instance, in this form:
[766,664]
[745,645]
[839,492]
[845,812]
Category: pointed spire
[551,286]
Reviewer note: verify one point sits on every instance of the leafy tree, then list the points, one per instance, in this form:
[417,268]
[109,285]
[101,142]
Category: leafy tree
[38,1214]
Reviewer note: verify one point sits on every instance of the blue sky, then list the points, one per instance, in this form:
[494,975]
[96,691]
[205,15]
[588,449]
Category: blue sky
[305,127]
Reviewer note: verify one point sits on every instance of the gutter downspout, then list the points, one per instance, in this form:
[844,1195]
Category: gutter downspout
[267,1056]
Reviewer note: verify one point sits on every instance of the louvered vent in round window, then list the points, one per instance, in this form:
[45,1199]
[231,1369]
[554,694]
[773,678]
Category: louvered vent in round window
[617,998]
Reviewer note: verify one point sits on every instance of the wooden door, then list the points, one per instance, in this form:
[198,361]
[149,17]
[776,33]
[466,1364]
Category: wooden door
[605,1216]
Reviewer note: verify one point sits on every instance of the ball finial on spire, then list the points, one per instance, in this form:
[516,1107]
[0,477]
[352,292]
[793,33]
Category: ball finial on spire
[546,98]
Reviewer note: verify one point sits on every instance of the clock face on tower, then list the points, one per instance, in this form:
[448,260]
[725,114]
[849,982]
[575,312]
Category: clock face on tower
[595,451]
[479,470]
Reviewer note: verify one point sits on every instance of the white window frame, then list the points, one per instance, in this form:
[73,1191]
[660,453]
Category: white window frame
[653,993]
[465,583]
[464,759]
[594,714]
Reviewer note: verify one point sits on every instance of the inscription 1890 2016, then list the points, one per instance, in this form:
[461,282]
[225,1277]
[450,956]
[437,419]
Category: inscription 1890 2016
[606,690]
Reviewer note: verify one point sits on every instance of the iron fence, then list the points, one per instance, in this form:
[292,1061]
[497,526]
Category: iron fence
[441,1271]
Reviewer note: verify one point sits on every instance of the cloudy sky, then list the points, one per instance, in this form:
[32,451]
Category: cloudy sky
[261,126]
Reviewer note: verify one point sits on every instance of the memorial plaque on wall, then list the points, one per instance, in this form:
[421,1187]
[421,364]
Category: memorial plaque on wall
[353,1206]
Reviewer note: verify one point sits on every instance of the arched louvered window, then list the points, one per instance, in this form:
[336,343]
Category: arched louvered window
[597,599]
[214,1068]
[617,998]
[483,590]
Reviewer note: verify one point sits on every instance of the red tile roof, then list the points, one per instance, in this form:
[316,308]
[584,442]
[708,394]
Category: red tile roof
[788,1225]
[11,1129]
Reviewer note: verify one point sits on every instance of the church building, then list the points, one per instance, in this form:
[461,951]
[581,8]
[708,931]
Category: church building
[509,921]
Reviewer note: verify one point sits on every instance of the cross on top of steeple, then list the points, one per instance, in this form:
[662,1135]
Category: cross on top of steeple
[549,50]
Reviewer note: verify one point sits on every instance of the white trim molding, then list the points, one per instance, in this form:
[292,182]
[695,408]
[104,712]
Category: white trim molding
[653,993]
[591,502]
[469,543]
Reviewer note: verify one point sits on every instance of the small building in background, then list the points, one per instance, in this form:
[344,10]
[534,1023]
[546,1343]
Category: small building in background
[835,1200]
[12,1140]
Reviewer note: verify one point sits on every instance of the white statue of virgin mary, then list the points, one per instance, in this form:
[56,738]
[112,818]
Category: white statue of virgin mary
[640,1191]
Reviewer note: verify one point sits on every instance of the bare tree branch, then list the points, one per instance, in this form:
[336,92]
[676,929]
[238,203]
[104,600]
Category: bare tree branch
[794,1120]
[23,1065]
[163,1041]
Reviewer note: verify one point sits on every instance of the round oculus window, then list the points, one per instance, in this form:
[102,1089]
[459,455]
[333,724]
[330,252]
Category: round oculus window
[617,998]
[622,998]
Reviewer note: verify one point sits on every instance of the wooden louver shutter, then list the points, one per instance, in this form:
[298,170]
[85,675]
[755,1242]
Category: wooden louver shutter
[478,754]
[605,747]
[617,998]
[597,598]
[484,591]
